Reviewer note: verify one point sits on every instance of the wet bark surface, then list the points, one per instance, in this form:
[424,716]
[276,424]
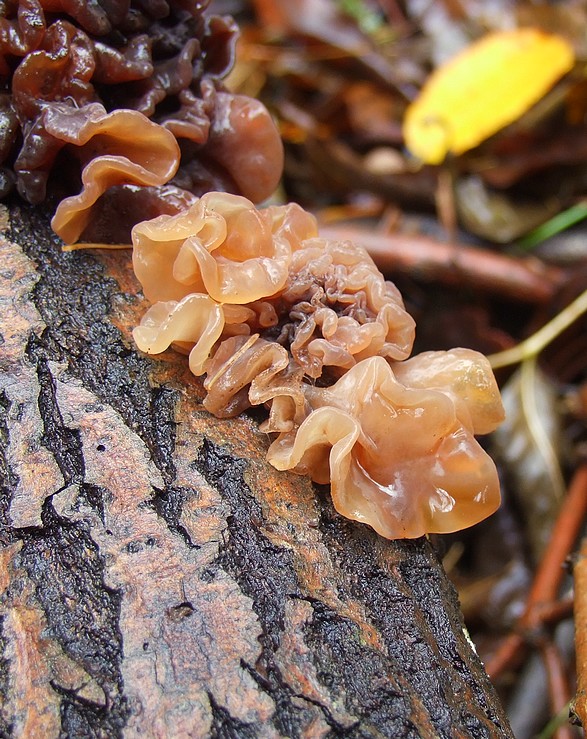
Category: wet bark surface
[158,578]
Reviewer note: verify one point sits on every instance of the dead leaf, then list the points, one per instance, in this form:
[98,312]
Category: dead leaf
[482,89]
[495,215]
[529,444]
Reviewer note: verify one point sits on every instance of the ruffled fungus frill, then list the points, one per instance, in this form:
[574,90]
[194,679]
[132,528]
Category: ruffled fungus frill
[338,309]
[248,370]
[401,458]
[275,316]
[195,324]
[326,302]
[121,148]
[465,376]
[221,246]
[256,167]
[159,60]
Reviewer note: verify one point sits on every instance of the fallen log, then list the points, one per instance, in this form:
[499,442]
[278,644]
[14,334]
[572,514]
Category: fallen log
[159,578]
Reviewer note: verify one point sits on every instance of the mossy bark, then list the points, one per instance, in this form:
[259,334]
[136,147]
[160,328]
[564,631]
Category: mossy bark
[158,578]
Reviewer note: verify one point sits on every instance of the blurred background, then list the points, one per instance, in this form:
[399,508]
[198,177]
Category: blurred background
[467,182]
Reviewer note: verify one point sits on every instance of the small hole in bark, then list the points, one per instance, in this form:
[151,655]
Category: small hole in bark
[326,679]
[207,575]
[101,448]
[178,613]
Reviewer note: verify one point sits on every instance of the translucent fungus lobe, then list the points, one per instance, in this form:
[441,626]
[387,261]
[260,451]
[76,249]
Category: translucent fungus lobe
[274,315]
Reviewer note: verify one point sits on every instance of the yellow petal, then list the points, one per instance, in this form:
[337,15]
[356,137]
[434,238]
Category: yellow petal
[484,88]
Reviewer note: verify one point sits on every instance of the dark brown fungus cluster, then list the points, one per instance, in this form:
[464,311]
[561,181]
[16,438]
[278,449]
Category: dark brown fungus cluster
[123,98]
[273,314]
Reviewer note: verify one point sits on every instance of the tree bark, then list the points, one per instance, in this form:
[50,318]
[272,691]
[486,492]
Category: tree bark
[158,578]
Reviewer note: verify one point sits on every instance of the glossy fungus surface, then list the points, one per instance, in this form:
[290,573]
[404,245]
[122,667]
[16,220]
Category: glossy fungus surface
[222,246]
[274,315]
[120,148]
[399,458]
[70,69]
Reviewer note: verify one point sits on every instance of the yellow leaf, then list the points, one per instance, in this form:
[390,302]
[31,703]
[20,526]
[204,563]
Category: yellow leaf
[484,88]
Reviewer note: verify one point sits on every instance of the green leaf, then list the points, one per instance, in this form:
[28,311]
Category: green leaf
[555,225]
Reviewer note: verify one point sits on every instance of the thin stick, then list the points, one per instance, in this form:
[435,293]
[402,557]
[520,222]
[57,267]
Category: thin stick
[90,245]
[558,686]
[580,576]
[554,613]
[548,577]
[455,264]
[534,344]
[563,537]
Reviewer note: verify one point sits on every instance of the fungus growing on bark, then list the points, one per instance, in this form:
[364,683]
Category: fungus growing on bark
[124,98]
[400,457]
[222,246]
[337,308]
[274,315]
[120,148]
[79,76]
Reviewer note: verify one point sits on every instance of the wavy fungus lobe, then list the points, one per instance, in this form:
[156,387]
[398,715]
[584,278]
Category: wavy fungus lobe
[61,61]
[274,315]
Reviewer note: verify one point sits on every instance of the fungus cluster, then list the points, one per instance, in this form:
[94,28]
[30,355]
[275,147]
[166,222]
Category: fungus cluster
[123,99]
[274,315]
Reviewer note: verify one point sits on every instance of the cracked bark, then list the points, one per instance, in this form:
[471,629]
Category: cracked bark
[158,578]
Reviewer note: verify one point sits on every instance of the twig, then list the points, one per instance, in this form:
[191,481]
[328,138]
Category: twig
[534,344]
[558,686]
[580,577]
[564,534]
[445,202]
[554,613]
[526,280]
[549,575]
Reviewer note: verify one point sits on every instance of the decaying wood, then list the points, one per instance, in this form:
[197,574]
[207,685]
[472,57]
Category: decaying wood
[159,579]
